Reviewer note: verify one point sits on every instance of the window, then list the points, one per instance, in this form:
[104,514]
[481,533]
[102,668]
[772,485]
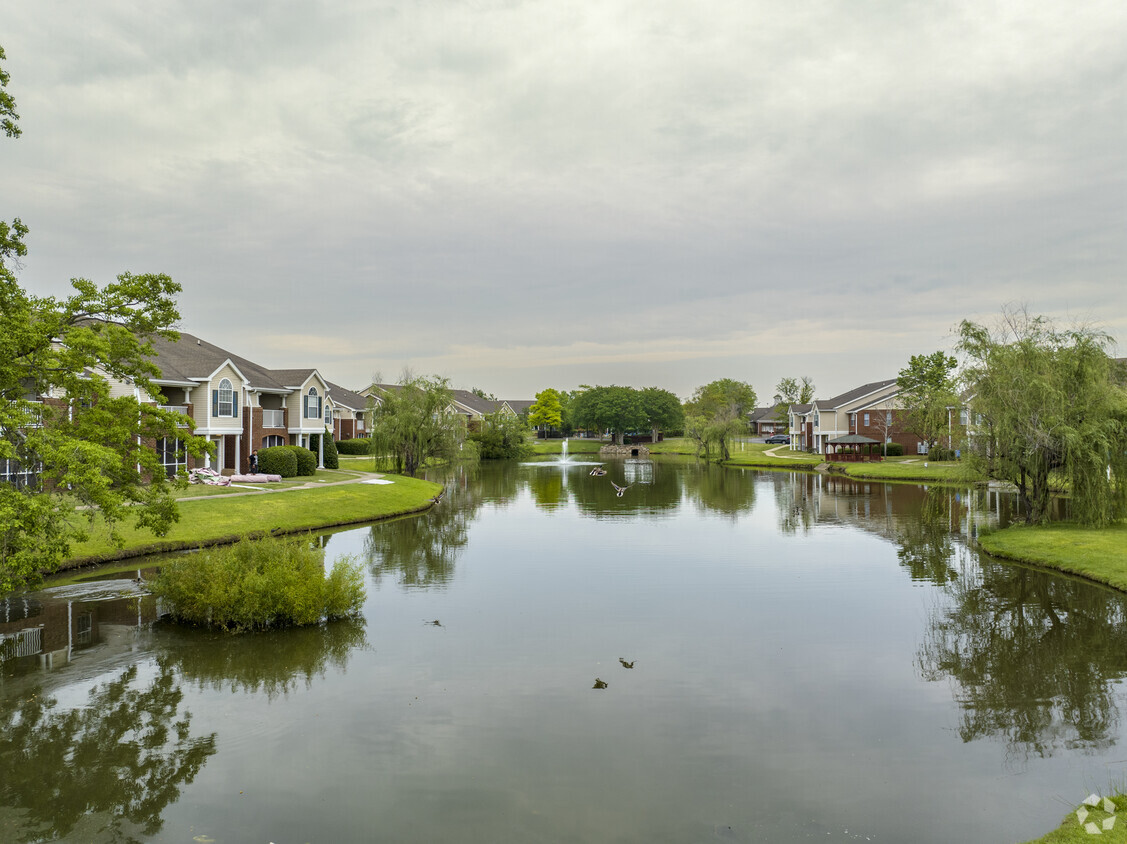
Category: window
[328,416]
[963,417]
[888,418]
[84,628]
[223,400]
[18,474]
[273,440]
[866,420]
[312,409]
[816,423]
[172,455]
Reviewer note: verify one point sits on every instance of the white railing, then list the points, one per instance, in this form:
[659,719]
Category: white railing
[27,642]
[273,418]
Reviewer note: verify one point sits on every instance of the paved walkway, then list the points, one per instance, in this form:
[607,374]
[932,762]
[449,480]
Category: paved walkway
[774,452]
[264,489]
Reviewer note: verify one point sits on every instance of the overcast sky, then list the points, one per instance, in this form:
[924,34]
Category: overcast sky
[526,194]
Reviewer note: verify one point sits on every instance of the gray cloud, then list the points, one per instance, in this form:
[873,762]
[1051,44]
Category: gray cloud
[523,194]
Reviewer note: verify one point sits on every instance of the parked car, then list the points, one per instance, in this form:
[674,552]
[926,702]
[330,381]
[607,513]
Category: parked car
[783,439]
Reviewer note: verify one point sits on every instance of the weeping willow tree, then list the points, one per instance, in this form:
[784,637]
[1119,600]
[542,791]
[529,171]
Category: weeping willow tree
[1053,409]
[413,422]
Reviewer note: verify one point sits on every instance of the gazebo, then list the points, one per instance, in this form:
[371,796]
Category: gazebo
[852,448]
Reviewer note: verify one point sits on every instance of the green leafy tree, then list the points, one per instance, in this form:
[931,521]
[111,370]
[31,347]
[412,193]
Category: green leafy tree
[413,423]
[717,414]
[96,447]
[927,390]
[1051,405]
[8,115]
[501,436]
[547,410]
[617,409]
[791,391]
[662,409]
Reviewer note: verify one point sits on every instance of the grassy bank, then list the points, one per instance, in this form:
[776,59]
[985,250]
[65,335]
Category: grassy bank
[1099,554]
[771,456]
[911,469]
[216,520]
[574,446]
[1072,831]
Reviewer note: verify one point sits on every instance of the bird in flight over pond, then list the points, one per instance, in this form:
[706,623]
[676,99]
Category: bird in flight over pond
[620,489]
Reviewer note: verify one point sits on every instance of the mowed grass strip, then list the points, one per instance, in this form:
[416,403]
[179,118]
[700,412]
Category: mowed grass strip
[755,454]
[225,519]
[574,446]
[1099,554]
[898,470]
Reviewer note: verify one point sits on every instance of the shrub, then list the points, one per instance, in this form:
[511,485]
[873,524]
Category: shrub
[306,460]
[362,445]
[253,585]
[278,460]
[331,459]
[939,452]
[894,450]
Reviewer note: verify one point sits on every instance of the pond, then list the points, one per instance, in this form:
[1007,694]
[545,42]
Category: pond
[713,655]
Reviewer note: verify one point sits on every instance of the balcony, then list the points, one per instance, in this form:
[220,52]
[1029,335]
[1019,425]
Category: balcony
[273,418]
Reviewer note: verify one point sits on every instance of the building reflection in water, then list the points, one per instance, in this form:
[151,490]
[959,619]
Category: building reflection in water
[44,630]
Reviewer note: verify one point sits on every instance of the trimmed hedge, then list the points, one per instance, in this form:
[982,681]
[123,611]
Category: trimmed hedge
[894,449]
[278,460]
[361,445]
[289,461]
[306,460]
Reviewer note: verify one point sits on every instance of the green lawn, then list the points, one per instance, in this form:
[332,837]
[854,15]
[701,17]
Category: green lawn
[912,469]
[756,454]
[574,446]
[225,518]
[1096,553]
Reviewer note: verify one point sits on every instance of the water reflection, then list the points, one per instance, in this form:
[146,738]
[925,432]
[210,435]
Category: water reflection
[272,662]
[48,629]
[104,771]
[1035,657]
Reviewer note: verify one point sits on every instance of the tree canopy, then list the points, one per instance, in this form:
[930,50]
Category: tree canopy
[617,409]
[717,413]
[791,391]
[81,445]
[546,410]
[1052,410]
[412,423]
[927,390]
[662,409]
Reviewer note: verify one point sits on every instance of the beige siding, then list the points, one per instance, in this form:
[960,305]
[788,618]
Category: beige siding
[201,399]
[296,406]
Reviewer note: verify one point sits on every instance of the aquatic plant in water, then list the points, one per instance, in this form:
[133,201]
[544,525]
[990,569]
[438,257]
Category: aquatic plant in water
[258,584]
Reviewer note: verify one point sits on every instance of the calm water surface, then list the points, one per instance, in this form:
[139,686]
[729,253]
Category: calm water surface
[785,658]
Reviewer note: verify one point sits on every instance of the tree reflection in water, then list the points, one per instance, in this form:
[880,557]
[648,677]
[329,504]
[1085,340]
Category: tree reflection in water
[1035,656]
[272,662]
[107,770]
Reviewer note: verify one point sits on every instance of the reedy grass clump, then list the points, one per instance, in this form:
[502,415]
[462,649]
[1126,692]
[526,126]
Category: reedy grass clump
[258,584]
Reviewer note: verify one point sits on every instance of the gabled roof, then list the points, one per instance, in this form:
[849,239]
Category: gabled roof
[519,406]
[193,359]
[294,378]
[773,412]
[345,397]
[853,395]
[474,402]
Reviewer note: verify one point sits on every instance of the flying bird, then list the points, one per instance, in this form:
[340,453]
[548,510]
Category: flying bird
[626,664]
[598,472]
[620,489]
[599,684]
